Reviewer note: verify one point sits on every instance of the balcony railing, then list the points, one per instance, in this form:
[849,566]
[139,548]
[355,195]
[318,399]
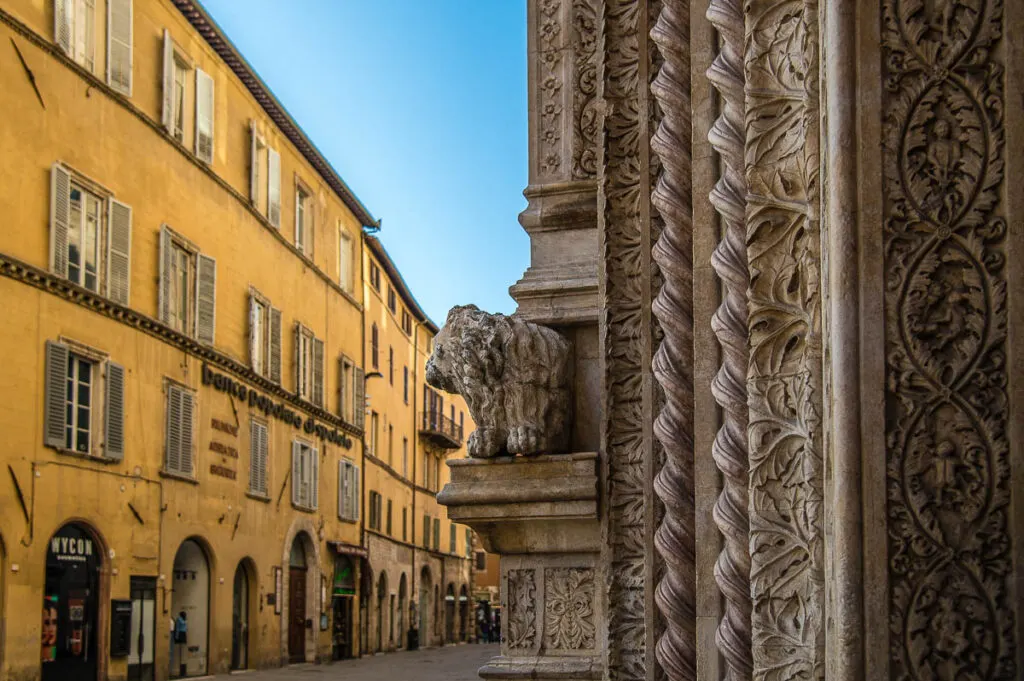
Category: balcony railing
[441,430]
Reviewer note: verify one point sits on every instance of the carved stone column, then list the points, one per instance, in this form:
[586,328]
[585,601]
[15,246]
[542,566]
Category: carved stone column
[560,285]
[540,514]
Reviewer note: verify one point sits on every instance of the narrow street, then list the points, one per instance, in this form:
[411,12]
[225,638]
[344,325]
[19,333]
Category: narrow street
[451,663]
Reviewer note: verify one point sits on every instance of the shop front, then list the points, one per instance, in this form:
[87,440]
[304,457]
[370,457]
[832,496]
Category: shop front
[71,603]
[343,594]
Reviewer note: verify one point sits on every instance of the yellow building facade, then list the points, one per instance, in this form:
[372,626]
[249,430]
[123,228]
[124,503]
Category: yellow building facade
[419,561]
[184,349]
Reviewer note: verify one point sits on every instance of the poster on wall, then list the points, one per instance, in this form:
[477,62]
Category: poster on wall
[49,628]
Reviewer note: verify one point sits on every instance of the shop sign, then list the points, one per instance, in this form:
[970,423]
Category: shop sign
[71,548]
[223,471]
[272,409]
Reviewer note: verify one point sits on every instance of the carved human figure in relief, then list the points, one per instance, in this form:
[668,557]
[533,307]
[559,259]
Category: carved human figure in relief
[514,376]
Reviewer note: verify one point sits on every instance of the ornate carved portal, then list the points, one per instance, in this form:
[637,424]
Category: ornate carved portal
[951,601]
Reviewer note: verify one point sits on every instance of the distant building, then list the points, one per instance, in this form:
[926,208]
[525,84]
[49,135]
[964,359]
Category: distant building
[419,560]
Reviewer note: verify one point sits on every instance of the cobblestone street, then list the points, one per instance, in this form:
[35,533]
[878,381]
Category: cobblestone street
[451,663]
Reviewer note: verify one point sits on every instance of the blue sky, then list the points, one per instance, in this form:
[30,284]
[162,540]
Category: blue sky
[420,105]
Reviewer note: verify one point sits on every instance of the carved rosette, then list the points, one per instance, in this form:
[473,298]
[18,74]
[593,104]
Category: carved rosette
[784,370]
[673,364]
[521,606]
[569,609]
[727,136]
[951,599]
[628,229]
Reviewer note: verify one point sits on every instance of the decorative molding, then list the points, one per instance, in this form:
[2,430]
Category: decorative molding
[729,323]
[585,104]
[550,98]
[569,609]
[784,374]
[952,606]
[62,288]
[673,363]
[521,602]
[627,228]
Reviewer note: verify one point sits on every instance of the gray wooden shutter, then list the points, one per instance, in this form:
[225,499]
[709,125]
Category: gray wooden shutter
[113,413]
[254,457]
[60,217]
[341,387]
[274,187]
[173,440]
[119,251]
[275,345]
[164,293]
[167,116]
[54,430]
[253,359]
[204,116]
[206,299]
[342,490]
[62,27]
[358,398]
[187,430]
[119,45]
[298,360]
[353,472]
[264,457]
[254,167]
[314,478]
[296,474]
[318,372]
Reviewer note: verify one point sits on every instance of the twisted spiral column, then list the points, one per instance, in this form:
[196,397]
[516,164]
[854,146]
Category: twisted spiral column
[729,323]
[673,363]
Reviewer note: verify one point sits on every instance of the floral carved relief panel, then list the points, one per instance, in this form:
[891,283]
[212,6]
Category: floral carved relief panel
[521,602]
[550,84]
[784,374]
[569,609]
[951,599]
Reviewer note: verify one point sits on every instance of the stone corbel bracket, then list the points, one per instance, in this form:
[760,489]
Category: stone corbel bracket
[536,504]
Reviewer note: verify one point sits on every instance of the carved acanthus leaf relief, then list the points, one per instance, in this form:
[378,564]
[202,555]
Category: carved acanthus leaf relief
[673,364]
[522,610]
[629,335]
[732,570]
[784,367]
[549,84]
[569,608]
[585,115]
[952,603]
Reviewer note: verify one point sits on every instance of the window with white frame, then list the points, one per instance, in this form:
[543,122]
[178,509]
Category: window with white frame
[204,116]
[348,490]
[264,337]
[188,287]
[303,218]
[84,401]
[176,85]
[392,300]
[345,255]
[372,444]
[259,449]
[374,503]
[309,366]
[90,235]
[305,475]
[179,430]
[74,28]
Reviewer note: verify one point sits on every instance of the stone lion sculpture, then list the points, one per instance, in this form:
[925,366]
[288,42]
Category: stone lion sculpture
[514,376]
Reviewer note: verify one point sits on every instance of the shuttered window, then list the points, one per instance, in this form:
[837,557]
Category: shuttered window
[345,267]
[178,443]
[309,366]
[452,541]
[374,520]
[358,398]
[303,219]
[426,531]
[374,346]
[176,68]
[348,490]
[119,251]
[387,519]
[318,372]
[305,475]
[119,45]
[74,30]
[345,371]
[84,396]
[259,446]
[204,116]
[259,334]
[469,543]
[257,151]
[437,534]
[275,345]
[274,187]
[188,287]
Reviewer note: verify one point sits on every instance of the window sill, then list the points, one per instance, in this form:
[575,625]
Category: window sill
[304,509]
[350,521]
[258,497]
[84,456]
[178,476]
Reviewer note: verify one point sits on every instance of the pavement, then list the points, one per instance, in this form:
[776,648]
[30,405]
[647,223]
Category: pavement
[450,663]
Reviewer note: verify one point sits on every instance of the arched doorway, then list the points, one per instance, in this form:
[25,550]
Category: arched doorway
[463,613]
[425,605]
[382,612]
[449,614]
[342,594]
[241,605]
[190,608]
[71,602]
[403,605]
[297,599]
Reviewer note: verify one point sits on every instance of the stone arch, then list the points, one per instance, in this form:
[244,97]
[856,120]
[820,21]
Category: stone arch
[381,607]
[96,604]
[425,605]
[303,529]
[402,612]
[192,585]
[244,611]
[449,613]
